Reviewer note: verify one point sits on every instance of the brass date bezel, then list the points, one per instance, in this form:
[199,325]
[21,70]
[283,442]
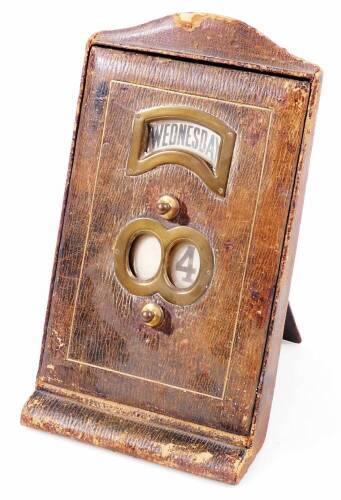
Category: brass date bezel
[161,282]
[139,162]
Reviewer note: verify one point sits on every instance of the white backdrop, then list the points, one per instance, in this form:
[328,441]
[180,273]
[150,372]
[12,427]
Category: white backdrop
[41,59]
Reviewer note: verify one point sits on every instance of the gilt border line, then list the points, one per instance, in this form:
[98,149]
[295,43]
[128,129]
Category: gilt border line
[184,389]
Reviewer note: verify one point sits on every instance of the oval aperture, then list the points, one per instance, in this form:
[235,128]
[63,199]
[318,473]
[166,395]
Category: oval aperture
[145,257]
[183,265]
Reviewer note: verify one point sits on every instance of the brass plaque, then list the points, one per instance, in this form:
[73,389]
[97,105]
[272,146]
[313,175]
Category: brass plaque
[163,281]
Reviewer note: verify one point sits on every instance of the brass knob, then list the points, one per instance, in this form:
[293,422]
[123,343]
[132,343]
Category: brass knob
[152,315]
[168,207]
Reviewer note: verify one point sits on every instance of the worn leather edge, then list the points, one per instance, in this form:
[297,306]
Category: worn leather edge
[267,378]
[176,38]
[66,194]
[157,419]
[136,436]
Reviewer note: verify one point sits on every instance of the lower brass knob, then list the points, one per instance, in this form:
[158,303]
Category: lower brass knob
[168,207]
[152,315]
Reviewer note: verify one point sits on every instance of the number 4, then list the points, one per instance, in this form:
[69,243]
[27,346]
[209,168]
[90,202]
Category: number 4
[185,264]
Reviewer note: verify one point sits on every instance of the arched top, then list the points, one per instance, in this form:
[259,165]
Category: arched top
[209,38]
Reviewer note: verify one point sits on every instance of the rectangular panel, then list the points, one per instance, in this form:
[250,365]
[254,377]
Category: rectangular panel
[183,358]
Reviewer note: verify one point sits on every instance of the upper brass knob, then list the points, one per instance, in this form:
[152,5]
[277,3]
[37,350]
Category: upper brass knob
[152,315]
[168,207]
